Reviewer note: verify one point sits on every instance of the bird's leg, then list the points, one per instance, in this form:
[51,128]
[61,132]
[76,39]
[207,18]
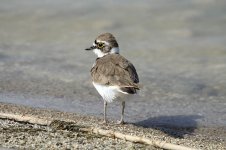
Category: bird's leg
[121,121]
[105,109]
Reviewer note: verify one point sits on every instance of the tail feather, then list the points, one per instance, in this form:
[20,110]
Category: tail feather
[129,90]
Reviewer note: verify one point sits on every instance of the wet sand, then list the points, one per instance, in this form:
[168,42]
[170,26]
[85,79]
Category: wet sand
[178,49]
[21,135]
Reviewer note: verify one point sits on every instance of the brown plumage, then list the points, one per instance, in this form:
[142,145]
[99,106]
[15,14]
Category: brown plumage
[111,39]
[115,70]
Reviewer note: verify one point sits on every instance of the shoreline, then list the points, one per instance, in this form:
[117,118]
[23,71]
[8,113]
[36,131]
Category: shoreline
[24,135]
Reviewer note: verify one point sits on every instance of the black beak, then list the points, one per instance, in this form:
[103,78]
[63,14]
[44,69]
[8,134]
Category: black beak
[91,48]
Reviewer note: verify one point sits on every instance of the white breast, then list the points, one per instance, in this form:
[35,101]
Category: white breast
[108,93]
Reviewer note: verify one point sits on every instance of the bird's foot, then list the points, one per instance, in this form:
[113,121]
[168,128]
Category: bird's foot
[104,122]
[120,122]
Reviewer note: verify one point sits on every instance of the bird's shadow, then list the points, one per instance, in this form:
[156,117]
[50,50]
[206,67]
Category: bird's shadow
[175,126]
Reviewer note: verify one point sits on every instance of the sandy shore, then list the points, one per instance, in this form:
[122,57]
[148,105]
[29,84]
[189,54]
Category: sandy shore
[178,49]
[19,135]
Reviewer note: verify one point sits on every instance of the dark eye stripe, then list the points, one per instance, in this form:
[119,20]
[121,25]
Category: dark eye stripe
[95,42]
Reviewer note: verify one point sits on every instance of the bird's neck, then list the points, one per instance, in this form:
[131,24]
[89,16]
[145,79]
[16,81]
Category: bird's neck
[114,50]
[99,53]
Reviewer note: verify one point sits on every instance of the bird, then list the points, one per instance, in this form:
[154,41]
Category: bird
[113,76]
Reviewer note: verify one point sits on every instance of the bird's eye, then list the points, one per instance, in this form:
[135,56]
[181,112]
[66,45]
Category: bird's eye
[100,45]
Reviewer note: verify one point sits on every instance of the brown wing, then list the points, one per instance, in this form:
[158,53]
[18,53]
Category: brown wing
[113,69]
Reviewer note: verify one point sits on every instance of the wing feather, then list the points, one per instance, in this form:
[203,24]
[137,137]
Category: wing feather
[114,69]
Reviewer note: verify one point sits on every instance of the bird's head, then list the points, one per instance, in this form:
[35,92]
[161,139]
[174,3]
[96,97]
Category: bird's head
[104,44]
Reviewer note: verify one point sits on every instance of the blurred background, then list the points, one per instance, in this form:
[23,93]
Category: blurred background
[177,46]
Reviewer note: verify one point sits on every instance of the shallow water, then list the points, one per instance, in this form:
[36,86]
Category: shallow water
[178,48]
